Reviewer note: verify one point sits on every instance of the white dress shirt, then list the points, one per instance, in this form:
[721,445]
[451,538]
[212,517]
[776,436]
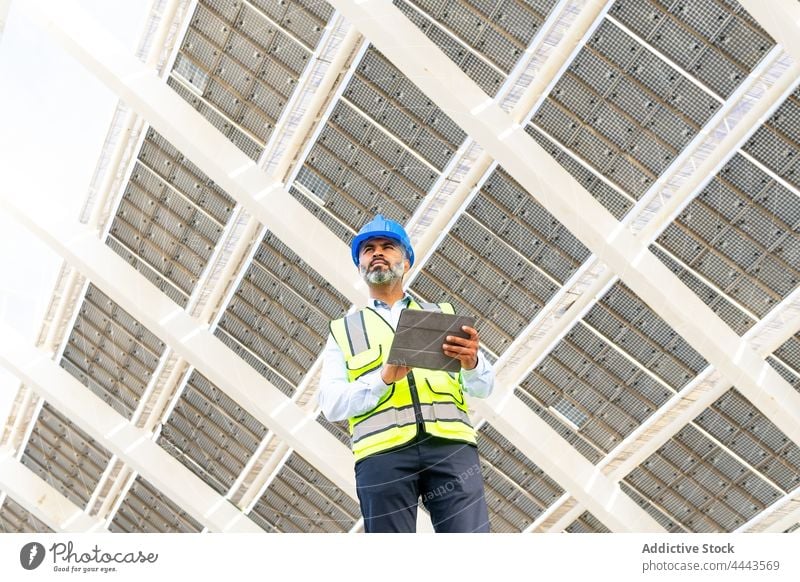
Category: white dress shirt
[341,399]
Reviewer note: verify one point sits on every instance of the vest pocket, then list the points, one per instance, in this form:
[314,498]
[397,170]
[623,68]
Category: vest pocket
[366,361]
[450,390]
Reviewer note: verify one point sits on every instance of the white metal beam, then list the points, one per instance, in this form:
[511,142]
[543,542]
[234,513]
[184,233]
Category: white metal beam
[131,444]
[628,256]
[779,521]
[735,121]
[192,340]
[739,117]
[781,19]
[548,54]
[41,499]
[142,89]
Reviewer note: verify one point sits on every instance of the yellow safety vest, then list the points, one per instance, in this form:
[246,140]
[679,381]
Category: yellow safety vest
[431,398]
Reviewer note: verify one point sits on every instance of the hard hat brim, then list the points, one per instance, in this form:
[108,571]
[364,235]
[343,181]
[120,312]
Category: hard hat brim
[362,238]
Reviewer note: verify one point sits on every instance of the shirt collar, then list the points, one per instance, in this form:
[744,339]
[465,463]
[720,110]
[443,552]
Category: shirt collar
[406,299]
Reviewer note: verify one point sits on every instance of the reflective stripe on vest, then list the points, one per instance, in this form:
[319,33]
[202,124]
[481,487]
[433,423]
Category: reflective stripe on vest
[365,338]
[442,411]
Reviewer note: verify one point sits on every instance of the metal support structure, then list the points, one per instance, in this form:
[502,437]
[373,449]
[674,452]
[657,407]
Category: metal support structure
[628,256]
[141,88]
[534,437]
[191,340]
[764,94]
[131,444]
[42,500]
[668,195]
[502,137]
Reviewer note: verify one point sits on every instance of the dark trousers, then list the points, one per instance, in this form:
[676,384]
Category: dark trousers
[445,474]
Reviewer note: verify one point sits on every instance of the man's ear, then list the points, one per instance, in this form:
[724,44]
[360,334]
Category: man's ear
[406,266]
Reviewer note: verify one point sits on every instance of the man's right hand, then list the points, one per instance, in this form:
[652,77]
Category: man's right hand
[392,373]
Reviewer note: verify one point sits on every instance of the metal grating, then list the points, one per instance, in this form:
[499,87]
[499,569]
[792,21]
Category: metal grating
[517,491]
[356,170]
[669,524]
[595,381]
[484,277]
[210,434]
[147,510]
[776,144]
[243,63]
[498,31]
[16,519]
[280,313]
[700,485]
[489,78]
[614,201]
[111,353]
[716,43]
[729,312]
[66,457]
[582,445]
[741,427]
[170,218]
[740,233]
[587,523]
[622,111]
[793,528]
[381,91]
[338,429]
[299,499]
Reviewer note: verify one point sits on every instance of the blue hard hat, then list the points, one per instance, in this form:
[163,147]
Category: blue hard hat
[382,227]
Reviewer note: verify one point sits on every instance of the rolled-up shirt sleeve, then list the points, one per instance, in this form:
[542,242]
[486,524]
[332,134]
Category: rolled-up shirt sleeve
[479,381]
[340,399]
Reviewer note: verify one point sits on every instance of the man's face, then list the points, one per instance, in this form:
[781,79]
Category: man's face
[381,261]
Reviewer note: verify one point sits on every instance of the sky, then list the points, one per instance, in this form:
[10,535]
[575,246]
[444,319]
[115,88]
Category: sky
[54,116]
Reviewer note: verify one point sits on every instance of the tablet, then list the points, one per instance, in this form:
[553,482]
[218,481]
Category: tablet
[419,337]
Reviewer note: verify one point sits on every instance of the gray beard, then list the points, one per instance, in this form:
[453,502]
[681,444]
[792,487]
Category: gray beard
[383,277]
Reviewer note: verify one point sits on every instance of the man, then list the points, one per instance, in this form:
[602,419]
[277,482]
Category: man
[409,427]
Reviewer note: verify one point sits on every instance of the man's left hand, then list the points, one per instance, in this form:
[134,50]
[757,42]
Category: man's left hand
[464,349]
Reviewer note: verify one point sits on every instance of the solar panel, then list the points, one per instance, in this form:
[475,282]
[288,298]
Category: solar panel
[245,64]
[65,456]
[715,43]
[587,523]
[730,235]
[279,314]
[740,426]
[714,492]
[147,510]
[583,445]
[488,78]
[16,519]
[731,314]
[619,111]
[299,498]
[210,434]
